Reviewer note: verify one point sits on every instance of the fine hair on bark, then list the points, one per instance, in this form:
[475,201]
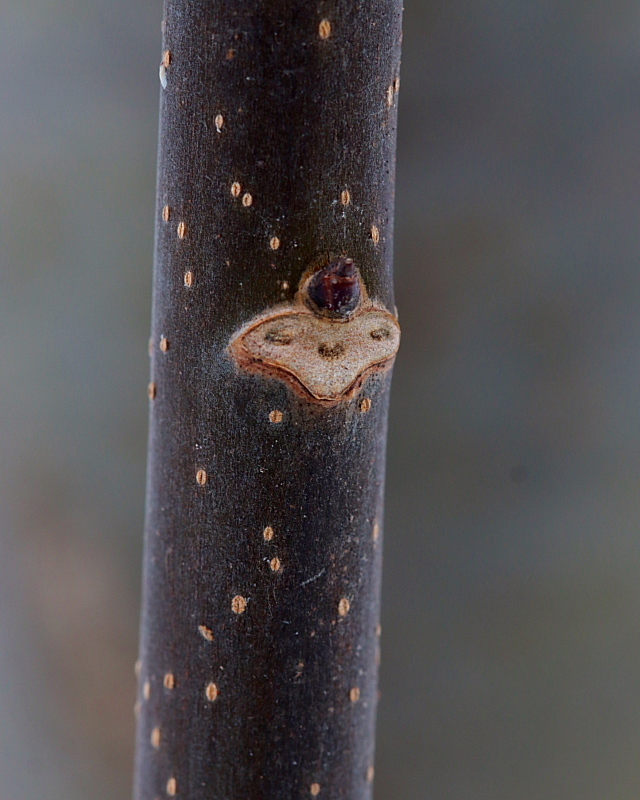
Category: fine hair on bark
[273,336]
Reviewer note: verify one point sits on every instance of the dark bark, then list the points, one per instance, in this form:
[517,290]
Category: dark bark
[258,669]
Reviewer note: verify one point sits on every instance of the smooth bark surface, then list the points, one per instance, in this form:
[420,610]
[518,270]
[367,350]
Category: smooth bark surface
[258,666]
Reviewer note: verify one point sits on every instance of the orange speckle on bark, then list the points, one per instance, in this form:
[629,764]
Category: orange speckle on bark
[239,604]
[201,477]
[211,692]
[343,607]
[205,632]
[169,681]
[324,29]
[156,737]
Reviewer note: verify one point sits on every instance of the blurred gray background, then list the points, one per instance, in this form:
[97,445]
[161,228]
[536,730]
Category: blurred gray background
[511,643]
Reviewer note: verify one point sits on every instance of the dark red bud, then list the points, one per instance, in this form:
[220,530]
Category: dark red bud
[335,289]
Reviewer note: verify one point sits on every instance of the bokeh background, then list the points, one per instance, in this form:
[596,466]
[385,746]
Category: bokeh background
[511,624]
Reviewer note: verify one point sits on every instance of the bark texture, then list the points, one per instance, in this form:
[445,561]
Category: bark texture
[258,664]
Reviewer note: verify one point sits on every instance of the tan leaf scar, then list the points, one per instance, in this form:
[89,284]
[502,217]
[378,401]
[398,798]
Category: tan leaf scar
[324,344]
